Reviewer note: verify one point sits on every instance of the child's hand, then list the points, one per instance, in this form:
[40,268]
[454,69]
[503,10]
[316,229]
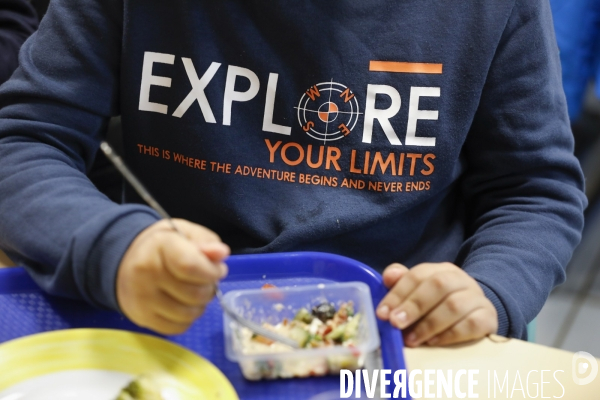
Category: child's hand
[439,304]
[165,280]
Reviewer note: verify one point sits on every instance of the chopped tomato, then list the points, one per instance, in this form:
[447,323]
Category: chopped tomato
[268,286]
[355,352]
[276,295]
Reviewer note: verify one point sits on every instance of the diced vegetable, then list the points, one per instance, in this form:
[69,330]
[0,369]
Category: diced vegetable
[315,340]
[321,327]
[347,309]
[337,334]
[304,315]
[350,308]
[299,335]
[351,328]
[141,388]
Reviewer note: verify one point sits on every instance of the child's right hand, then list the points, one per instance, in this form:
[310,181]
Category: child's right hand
[165,280]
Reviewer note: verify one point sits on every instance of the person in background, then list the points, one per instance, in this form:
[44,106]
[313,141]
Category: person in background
[18,20]
[577,25]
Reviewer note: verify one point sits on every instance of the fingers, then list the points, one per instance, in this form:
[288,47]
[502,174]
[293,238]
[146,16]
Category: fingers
[183,260]
[168,314]
[162,325]
[436,303]
[427,295]
[479,323]
[216,252]
[393,273]
[408,282]
[207,241]
[454,308]
[176,312]
[187,293]
[166,279]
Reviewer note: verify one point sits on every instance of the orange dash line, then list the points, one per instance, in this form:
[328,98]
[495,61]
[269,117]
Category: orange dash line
[405,67]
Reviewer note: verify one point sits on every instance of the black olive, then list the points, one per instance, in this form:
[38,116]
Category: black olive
[324,311]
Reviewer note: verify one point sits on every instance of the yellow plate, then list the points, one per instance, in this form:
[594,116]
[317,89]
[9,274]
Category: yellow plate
[192,377]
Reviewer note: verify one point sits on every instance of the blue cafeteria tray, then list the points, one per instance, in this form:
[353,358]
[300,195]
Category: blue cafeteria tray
[26,310]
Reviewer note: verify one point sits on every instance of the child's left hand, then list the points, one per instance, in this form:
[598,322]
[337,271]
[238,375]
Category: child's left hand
[439,303]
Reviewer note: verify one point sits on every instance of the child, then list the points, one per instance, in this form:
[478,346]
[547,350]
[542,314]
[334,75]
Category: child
[429,133]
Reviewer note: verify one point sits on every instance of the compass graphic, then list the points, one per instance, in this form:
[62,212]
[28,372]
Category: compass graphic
[328,111]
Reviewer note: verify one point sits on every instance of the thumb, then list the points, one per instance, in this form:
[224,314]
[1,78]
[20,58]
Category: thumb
[393,273]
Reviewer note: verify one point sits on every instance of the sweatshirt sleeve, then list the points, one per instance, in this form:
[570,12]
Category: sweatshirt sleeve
[18,20]
[523,187]
[53,113]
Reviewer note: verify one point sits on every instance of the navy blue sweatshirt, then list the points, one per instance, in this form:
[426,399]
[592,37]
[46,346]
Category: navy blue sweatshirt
[387,131]
[18,20]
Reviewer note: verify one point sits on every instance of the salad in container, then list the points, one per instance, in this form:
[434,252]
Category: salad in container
[334,325]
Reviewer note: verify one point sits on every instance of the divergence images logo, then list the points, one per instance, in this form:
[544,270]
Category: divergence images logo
[328,111]
[585,368]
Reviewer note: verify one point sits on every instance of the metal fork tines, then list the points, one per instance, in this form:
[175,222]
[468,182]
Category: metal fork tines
[256,328]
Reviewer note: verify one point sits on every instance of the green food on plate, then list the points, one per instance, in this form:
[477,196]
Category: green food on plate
[141,388]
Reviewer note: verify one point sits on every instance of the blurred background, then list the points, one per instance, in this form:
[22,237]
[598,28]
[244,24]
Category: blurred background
[571,317]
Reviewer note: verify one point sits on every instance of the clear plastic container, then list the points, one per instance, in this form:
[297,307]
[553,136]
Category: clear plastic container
[273,305]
